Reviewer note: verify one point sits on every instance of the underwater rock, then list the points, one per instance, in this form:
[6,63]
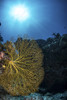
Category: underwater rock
[55,64]
[36,96]
[63,41]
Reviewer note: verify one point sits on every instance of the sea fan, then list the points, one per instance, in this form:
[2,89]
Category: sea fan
[23,70]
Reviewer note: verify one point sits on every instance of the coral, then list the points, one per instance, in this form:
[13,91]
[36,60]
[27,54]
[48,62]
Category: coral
[23,71]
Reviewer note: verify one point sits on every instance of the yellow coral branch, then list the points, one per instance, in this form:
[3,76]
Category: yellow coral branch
[13,64]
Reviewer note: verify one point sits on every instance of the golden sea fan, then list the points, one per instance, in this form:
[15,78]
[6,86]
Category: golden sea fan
[23,70]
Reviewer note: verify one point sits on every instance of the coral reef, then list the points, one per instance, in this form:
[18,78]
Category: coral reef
[55,63]
[23,70]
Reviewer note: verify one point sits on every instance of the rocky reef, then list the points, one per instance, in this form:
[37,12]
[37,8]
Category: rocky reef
[54,63]
[36,96]
[54,85]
